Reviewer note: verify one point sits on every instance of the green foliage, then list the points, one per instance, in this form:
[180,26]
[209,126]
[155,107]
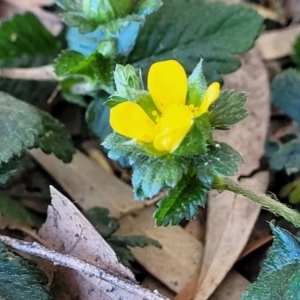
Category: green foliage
[111,15]
[103,223]
[216,33]
[284,156]
[291,191]
[286,93]
[80,75]
[20,278]
[228,109]
[280,274]
[24,40]
[107,226]
[296,52]
[182,202]
[24,126]
[151,175]
[14,212]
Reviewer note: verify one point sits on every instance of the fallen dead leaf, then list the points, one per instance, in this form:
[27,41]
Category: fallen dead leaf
[174,265]
[230,218]
[87,266]
[275,44]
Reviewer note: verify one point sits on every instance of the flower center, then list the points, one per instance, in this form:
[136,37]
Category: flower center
[174,116]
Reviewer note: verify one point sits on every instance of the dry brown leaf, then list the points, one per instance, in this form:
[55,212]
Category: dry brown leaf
[276,44]
[231,288]
[67,231]
[230,218]
[180,258]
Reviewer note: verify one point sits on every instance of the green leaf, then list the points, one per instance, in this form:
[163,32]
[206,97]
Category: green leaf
[224,159]
[285,90]
[20,278]
[14,212]
[54,138]
[119,147]
[296,52]
[280,274]
[195,141]
[124,254]
[103,223]
[10,168]
[228,109]
[217,33]
[151,175]
[24,37]
[182,202]
[134,241]
[24,126]
[82,75]
[284,155]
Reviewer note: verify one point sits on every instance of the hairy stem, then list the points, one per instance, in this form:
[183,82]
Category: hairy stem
[265,201]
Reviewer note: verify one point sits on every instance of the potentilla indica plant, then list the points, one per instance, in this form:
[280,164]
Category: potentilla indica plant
[166,133]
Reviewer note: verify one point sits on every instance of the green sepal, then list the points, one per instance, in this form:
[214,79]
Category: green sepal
[127,78]
[152,174]
[228,109]
[196,86]
[119,147]
[280,274]
[144,99]
[182,202]
[114,100]
[195,142]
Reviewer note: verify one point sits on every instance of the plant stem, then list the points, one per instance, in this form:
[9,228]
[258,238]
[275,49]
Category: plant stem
[265,201]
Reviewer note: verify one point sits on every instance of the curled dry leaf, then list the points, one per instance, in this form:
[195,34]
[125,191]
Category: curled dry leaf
[80,247]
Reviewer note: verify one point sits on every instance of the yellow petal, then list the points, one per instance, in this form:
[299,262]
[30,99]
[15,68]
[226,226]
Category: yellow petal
[130,120]
[167,83]
[170,139]
[211,95]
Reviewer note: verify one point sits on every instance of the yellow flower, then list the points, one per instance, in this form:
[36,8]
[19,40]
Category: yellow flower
[168,87]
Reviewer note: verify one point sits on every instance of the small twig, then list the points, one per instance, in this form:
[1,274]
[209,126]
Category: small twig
[44,73]
[81,266]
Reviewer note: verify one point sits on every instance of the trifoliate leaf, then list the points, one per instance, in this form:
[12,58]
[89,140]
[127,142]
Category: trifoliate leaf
[25,41]
[133,241]
[228,109]
[280,274]
[216,33]
[24,126]
[103,223]
[182,202]
[20,278]
[151,175]
[286,93]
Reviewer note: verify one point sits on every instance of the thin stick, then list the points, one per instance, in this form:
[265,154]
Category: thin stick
[72,262]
